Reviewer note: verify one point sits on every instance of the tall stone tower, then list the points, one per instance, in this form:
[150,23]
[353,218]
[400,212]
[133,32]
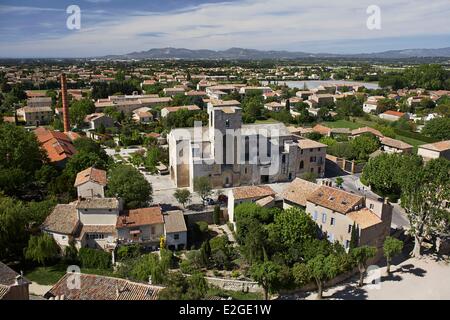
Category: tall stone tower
[65,103]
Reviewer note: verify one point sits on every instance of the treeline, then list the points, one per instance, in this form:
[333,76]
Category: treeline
[430,77]
[102,90]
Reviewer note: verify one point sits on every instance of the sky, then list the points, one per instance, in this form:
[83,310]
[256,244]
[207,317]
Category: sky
[38,28]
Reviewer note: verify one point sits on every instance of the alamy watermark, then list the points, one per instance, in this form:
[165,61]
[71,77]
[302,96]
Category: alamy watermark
[374,20]
[73,21]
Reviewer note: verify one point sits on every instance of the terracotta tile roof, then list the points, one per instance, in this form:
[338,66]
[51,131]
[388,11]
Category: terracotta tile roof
[3,291]
[298,191]
[249,192]
[190,108]
[395,143]
[91,174]
[437,146]
[107,229]
[63,219]
[222,103]
[394,113]
[153,135]
[322,129]
[98,203]
[94,287]
[367,130]
[174,222]
[57,145]
[265,201]
[310,144]
[140,217]
[335,199]
[7,276]
[196,93]
[364,218]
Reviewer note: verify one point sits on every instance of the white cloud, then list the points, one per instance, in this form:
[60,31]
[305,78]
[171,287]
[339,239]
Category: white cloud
[260,24]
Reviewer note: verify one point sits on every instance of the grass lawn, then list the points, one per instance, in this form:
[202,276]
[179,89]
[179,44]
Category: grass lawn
[51,275]
[343,124]
[267,121]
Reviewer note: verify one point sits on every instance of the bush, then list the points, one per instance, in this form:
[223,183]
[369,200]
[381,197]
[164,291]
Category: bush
[109,143]
[235,273]
[230,226]
[128,252]
[187,267]
[91,258]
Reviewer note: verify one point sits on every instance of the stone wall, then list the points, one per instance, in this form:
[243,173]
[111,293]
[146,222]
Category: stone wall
[234,285]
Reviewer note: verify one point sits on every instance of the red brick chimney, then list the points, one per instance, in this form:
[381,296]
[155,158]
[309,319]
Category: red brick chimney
[65,103]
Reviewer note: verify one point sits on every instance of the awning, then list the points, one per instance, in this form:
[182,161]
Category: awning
[135,231]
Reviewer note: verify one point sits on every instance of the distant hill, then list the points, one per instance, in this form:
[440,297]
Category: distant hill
[251,54]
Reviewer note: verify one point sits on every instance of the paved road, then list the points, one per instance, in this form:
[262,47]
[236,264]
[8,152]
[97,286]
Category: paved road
[412,279]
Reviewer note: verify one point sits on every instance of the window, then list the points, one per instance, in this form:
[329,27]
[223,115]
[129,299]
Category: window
[312,159]
[324,217]
[332,221]
[245,171]
[347,244]
[302,164]
[315,215]
[349,228]
[371,206]
[283,159]
[227,123]
[152,229]
[176,236]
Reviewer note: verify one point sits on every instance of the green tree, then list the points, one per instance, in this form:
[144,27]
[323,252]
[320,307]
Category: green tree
[292,227]
[216,215]
[320,269]
[183,196]
[41,248]
[425,192]
[79,109]
[437,128]
[339,181]
[361,255]
[354,239]
[266,274]
[202,185]
[20,158]
[391,248]
[205,253]
[364,145]
[130,185]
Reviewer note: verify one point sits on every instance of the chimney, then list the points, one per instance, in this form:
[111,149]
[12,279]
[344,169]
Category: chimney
[65,103]
[19,279]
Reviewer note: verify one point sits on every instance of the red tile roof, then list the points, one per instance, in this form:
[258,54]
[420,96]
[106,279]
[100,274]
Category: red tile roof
[94,287]
[140,217]
[57,145]
[394,113]
[91,174]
